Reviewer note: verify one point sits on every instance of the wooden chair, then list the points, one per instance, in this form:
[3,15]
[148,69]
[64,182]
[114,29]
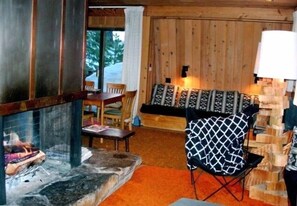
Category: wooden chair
[89,85]
[121,117]
[87,109]
[115,88]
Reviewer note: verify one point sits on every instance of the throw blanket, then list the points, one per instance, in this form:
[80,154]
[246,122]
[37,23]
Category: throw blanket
[217,143]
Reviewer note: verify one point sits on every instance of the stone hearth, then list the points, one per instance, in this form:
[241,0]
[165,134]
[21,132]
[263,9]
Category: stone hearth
[89,184]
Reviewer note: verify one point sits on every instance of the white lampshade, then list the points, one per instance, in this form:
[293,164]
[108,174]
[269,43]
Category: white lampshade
[278,55]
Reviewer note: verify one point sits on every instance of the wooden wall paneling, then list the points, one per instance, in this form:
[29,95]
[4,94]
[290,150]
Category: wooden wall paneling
[188,54]
[156,61]
[106,22]
[151,76]
[194,73]
[172,71]
[204,54]
[248,56]
[212,63]
[220,53]
[255,36]
[230,51]
[220,45]
[222,13]
[180,53]
[118,22]
[238,49]
[145,75]
[164,49]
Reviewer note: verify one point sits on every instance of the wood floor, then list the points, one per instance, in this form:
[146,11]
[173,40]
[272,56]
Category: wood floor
[156,147]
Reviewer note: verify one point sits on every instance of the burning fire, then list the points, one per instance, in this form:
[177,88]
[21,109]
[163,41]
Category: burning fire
[20,155]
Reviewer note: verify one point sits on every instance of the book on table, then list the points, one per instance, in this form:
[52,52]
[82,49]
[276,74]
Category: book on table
[95,128]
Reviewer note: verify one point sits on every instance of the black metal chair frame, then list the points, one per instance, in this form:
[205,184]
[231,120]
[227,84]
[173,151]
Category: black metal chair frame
[234,179]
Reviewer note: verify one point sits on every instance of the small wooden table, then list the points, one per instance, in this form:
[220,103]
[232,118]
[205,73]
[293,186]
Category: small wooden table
[101,99]
[111,133]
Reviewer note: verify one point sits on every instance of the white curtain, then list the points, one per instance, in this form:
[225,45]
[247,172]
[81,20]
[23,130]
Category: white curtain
[132,50]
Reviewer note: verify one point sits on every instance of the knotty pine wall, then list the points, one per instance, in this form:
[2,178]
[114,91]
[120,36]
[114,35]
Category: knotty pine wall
[220,54]
[218,43]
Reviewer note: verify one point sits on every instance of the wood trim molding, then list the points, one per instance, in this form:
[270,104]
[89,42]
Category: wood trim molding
[222,13]
[22,106]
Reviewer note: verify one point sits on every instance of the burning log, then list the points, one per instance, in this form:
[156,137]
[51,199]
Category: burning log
[20,155]
[15,168]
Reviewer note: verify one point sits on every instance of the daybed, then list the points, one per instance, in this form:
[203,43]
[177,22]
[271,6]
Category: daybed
[166,109]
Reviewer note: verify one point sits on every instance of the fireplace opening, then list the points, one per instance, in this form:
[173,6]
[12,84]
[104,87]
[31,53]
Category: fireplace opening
[39,146]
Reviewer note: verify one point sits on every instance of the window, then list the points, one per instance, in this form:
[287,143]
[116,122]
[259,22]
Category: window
[104,57]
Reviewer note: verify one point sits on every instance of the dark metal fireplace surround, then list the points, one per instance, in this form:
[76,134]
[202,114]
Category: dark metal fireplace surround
[45,127]
[42,49]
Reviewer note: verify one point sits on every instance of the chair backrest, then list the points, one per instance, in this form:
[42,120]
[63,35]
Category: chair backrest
[89,85]
[116,88]
[217,143]
[128,103]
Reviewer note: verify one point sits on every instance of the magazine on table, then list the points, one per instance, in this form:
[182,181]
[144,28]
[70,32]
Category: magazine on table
[95,128]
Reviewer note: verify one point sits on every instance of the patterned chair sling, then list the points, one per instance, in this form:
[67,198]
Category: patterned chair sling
[215,145]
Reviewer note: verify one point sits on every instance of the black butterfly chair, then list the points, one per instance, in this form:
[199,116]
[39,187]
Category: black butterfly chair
[215,145]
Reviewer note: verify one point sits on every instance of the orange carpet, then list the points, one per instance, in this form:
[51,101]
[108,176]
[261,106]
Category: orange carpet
[158,186]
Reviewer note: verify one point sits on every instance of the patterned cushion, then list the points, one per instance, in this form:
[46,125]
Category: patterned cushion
[164,95]
[244,100]
[216,142]
[224,101]
[182,103]
[195,98]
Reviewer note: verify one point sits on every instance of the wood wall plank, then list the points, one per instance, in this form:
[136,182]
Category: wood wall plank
[220,54]
[180,36]
[106,22]
[195,70]
[218,43]
[156,55]
[172,68]
[145,73]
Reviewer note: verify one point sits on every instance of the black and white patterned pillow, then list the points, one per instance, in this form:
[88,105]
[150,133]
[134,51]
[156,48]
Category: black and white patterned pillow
[203,101]
[164,95]
[192,99]
[224,101]
[244,100]
[195,98]
[182,102]
[217,143]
